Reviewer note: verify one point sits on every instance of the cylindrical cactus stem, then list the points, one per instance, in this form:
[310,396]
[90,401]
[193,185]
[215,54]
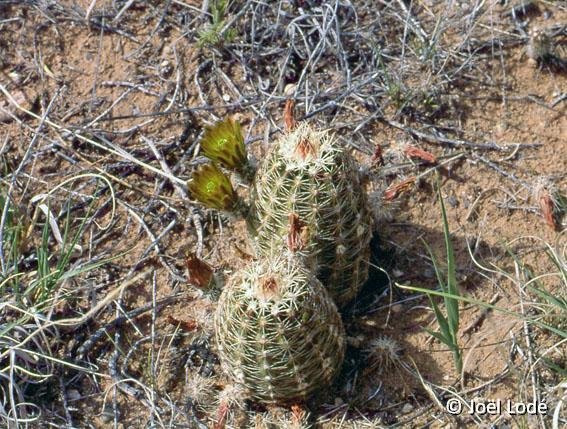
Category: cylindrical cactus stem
[310,174]
[278,332]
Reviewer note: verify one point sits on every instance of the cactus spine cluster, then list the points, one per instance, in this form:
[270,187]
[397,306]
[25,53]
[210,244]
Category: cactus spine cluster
[278,332]
[309,174]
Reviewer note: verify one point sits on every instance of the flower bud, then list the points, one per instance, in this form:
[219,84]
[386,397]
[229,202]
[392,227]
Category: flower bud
[211,187]
[223,143]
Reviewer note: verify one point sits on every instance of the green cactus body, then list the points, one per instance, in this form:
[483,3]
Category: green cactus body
[278,332]
[307,173]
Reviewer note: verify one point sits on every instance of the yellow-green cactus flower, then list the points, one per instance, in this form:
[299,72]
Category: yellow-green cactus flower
[223,143]
[212,188]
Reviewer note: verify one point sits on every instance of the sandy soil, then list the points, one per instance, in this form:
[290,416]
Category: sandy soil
[107,82]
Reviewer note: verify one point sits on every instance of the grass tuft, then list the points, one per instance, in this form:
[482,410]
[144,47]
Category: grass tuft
[31,288]
[214,34]
[449,323]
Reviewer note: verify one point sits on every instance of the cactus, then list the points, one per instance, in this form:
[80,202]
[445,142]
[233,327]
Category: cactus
[308,174]
[278,332]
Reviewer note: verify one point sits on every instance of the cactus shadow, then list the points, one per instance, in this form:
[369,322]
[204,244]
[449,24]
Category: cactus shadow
[409,263]
[406,263]
[376,287]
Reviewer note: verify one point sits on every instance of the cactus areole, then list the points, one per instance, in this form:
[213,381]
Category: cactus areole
[309,174]
[278,332]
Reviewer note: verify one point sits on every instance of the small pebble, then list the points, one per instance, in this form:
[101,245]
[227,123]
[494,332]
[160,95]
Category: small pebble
[73,395]
[397,273]
[15,76]
[369,322]
[397,308]
[407,408]
[453,202]
[107,414]
[165,68]
[290,89]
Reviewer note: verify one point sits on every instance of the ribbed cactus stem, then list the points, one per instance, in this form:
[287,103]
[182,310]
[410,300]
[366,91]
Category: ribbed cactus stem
[278,332]
[310,174]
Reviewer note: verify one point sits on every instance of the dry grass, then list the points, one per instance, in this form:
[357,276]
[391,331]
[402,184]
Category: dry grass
[102,107]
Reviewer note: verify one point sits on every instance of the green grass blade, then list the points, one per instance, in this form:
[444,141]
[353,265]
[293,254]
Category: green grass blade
[486,305]
[441,320]
[438,336]
[451,304]
[560,303]
[438,273]
[556,368]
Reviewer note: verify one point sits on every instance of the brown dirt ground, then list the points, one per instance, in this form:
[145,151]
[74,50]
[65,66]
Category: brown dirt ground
[80,61]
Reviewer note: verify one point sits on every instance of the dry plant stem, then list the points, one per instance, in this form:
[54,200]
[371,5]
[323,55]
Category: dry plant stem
[527,337]
[136,86]
[122,10]
[162,234]
[75,322]
[440,139]
[63,144]
[96,65]
[103,330]
[504,173]
[202,66]
[90,9]
[449,160]
[178,78]
[118,152]
[411,19]
[482,315]
[106,111]
[116,343]
[196,218]
[477,201]
[178,188]
[153,240]
[136,52]
[25,158]
[64,400]
[153,337]
[559,99]
[148,395]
